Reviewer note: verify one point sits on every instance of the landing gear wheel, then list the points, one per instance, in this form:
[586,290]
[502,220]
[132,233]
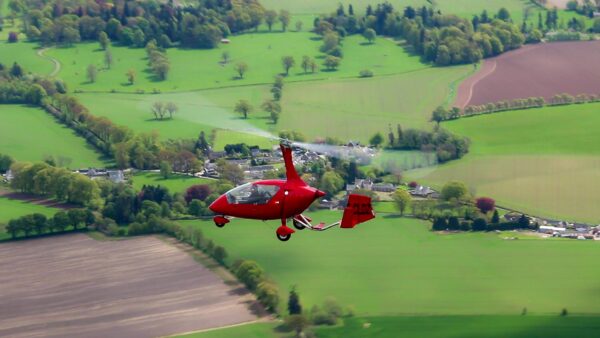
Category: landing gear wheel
[219,225]
[298,225]
[284,238]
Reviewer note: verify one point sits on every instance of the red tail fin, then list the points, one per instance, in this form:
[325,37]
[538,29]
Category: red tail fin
[358,210]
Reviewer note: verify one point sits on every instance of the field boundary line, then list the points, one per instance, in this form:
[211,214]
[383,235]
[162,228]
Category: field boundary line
[56,63]
[217,328]
[472,86]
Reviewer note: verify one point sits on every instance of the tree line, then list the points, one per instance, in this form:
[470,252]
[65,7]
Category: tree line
[38,224]
[442,114]
[132,23]
[439,38]
[142,151]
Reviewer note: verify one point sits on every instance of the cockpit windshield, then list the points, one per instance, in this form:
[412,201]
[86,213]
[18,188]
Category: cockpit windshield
[252,193]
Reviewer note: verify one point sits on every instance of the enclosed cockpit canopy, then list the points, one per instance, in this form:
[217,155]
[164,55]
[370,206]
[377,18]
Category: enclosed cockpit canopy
[252,193]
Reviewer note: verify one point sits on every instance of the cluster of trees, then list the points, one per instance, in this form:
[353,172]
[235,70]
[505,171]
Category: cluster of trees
[586,7]
[442,39]
[18,87]
[39,224]
[201,25]
[480,224]
[254,278]
[58,183]
[446,145]
[157,60]
[160,109]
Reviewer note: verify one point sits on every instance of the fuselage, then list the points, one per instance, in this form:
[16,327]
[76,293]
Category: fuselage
[267,200]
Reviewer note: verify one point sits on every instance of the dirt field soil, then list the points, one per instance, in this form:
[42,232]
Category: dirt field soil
[543,70]
[74,286]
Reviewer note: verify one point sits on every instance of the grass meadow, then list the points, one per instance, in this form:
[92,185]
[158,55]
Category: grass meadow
[542,161]
[31,134]
[396,266]
[175,183]
[431,326]
[11,208]
[193,69]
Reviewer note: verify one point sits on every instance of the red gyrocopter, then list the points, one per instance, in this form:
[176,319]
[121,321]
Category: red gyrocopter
[285,199]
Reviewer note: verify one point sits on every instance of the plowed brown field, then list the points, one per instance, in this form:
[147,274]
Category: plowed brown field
[543,70]
[74,286]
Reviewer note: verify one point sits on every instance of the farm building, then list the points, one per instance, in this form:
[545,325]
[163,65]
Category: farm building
[425,192]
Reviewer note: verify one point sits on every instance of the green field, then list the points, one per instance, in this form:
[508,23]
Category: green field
[200,69]
[432,326]
[11,208]
[175,183]
[31,134]
[25,54]
[357,109]
[542,161]
[396,266]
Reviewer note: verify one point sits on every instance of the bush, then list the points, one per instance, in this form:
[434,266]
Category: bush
[480,224]
[365,73]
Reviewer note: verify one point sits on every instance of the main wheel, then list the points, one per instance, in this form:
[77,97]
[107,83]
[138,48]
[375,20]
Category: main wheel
[298,225]
[219,225]
[284,238]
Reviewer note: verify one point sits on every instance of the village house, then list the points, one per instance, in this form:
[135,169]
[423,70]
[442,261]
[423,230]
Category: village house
[424,192]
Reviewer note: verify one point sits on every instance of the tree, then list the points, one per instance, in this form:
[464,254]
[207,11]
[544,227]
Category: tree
[298,26]
[165,169]
[197,192]
[401,199]
[331,183]
[158,109]
[523,221]
[273,108]
[108,58]
[103,40]
[480,224]
[171,108]
[485,204]
[241,68]
[139,39]
[220,254]
[60,221]
[70,36]
[297,323]
[294,306]
[270,18]
[306,62]
[284,18]
[332,62]
[268,295]
[231,172]
[225,57]
[16,70]
[454,190]
[5,163]
[131,76]
[495,217]
[370,35]
[376,140]
[161,68]
[503,14]
[13,37]
[287,62]
[243,107]
[249,273]
[39,223]
[14,227]
[92,73]
[439,114]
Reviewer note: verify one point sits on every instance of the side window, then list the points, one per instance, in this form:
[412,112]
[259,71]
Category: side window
[251,193]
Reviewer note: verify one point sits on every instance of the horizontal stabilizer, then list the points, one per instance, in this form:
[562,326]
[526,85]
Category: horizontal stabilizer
[358,210]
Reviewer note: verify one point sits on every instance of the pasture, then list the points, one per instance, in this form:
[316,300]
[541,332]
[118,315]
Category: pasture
[175,183]
[13,208]
[357,109]
[537,70]
[138,287]
[31,134]
[432,326]
[396,266]
[542,161]
[25,54]
[200,69]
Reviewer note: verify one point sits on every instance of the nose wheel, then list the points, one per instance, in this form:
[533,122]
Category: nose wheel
[284,238]
[220,221]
